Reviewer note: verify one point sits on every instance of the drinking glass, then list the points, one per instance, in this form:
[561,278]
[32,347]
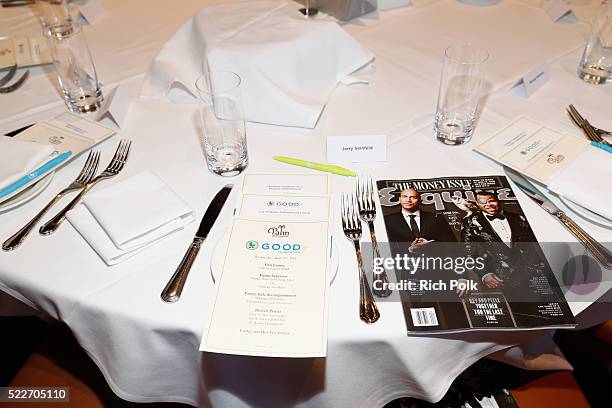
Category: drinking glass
[460,90]
[596,63]
[54,14]
[224,134]
[75,69]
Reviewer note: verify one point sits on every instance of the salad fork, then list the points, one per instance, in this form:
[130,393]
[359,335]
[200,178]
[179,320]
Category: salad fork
[367,213]
[351,225]
[113,168]
[591,132]
[86,174]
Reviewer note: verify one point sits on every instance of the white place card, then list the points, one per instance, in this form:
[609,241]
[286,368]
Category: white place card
[115,106]
[533,149]
[286,184]
[532,81]
[357,149]
[24,51]
[90,11]
[559,11]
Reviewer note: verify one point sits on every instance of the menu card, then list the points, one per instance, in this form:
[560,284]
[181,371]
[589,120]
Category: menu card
[272,294]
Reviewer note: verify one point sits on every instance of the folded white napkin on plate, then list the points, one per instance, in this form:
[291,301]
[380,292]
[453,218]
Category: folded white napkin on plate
[20,157]
[585,181]
[289,65]
[128,216]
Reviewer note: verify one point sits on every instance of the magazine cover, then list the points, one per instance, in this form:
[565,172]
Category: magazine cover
[465,257]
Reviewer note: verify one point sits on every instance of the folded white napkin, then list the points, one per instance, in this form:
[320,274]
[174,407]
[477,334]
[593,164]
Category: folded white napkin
[585,181]
[289,65]
[20,157]
[128,216]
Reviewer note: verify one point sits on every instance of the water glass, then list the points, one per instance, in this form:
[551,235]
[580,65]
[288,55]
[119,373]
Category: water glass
[460,90]
[54,14]
[224,134]
[75,68]
[596,63]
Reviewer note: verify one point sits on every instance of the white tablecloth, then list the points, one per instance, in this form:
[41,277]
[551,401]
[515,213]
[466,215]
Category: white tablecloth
[148,350]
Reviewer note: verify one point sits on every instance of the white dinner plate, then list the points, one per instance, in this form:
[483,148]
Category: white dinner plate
[216,262]
[586,213]
[27,194]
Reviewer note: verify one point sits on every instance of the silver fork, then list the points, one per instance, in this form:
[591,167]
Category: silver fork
[113,168]
[86,174]
[367,213]
[17,84]
[351,225]
[592,132]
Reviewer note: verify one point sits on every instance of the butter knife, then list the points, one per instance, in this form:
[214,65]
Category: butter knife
[599,251]
[172,291]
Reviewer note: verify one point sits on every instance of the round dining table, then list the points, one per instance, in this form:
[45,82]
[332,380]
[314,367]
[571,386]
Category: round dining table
[148,350]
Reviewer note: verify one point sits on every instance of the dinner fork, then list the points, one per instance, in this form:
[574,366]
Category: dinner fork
[113,168]
[591,132]
[86,174]
[17,84]
[367,213]
[351,225]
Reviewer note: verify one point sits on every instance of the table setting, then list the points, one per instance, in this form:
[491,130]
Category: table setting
[208,248]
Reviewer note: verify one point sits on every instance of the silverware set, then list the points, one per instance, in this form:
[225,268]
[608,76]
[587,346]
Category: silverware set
[85,181]
[355,209]
[367,212]
[9,76]
[592,133]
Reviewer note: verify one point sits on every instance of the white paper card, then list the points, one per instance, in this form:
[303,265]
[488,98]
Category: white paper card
[284,208]
[532,81]
[90,11]
[559,10]
[24,51]
[533,149]
[357,149]
[286,184]
[115,107]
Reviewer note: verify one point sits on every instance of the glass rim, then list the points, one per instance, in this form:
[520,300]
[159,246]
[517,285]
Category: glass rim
[229,88]
[485,56]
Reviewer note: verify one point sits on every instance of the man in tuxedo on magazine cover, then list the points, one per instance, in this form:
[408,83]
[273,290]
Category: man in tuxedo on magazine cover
[495,226]
[415,227]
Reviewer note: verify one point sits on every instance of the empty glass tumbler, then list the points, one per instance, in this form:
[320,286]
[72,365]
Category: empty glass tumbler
[224,133]
[596,62]
[461,86]
[75,69]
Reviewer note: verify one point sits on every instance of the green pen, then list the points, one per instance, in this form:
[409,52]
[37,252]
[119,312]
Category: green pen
[316,166]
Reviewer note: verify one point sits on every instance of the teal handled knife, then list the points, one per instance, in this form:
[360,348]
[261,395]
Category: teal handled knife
[600,252]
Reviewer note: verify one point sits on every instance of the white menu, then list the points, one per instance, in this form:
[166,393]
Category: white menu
[272,295]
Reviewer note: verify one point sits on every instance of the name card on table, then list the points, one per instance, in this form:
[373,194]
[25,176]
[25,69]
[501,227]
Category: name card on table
[559,11]
[90,11]
[357,149]
[532,81]
[24,52]
[115,106]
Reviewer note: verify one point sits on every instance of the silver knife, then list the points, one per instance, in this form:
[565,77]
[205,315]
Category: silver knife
[599,251]
[172,291]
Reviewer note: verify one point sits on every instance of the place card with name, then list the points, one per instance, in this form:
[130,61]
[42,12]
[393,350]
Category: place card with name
[559,11]
[90,11]
[532,81]
[357,149]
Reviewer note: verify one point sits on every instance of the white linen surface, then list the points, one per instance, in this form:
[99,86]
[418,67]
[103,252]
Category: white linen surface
[289,65]
[581,181]
[147,349]
[19,157]
[123,219]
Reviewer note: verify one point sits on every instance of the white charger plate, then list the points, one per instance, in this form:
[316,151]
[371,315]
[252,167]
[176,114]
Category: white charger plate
[216,262]
[27,194]
[586,213]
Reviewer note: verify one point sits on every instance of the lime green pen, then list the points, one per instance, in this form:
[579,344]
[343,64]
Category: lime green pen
[316,166]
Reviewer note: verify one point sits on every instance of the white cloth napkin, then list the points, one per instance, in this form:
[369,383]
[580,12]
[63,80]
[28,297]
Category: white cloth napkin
[128,216]
[289,65]
[585,181]
[20,157]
